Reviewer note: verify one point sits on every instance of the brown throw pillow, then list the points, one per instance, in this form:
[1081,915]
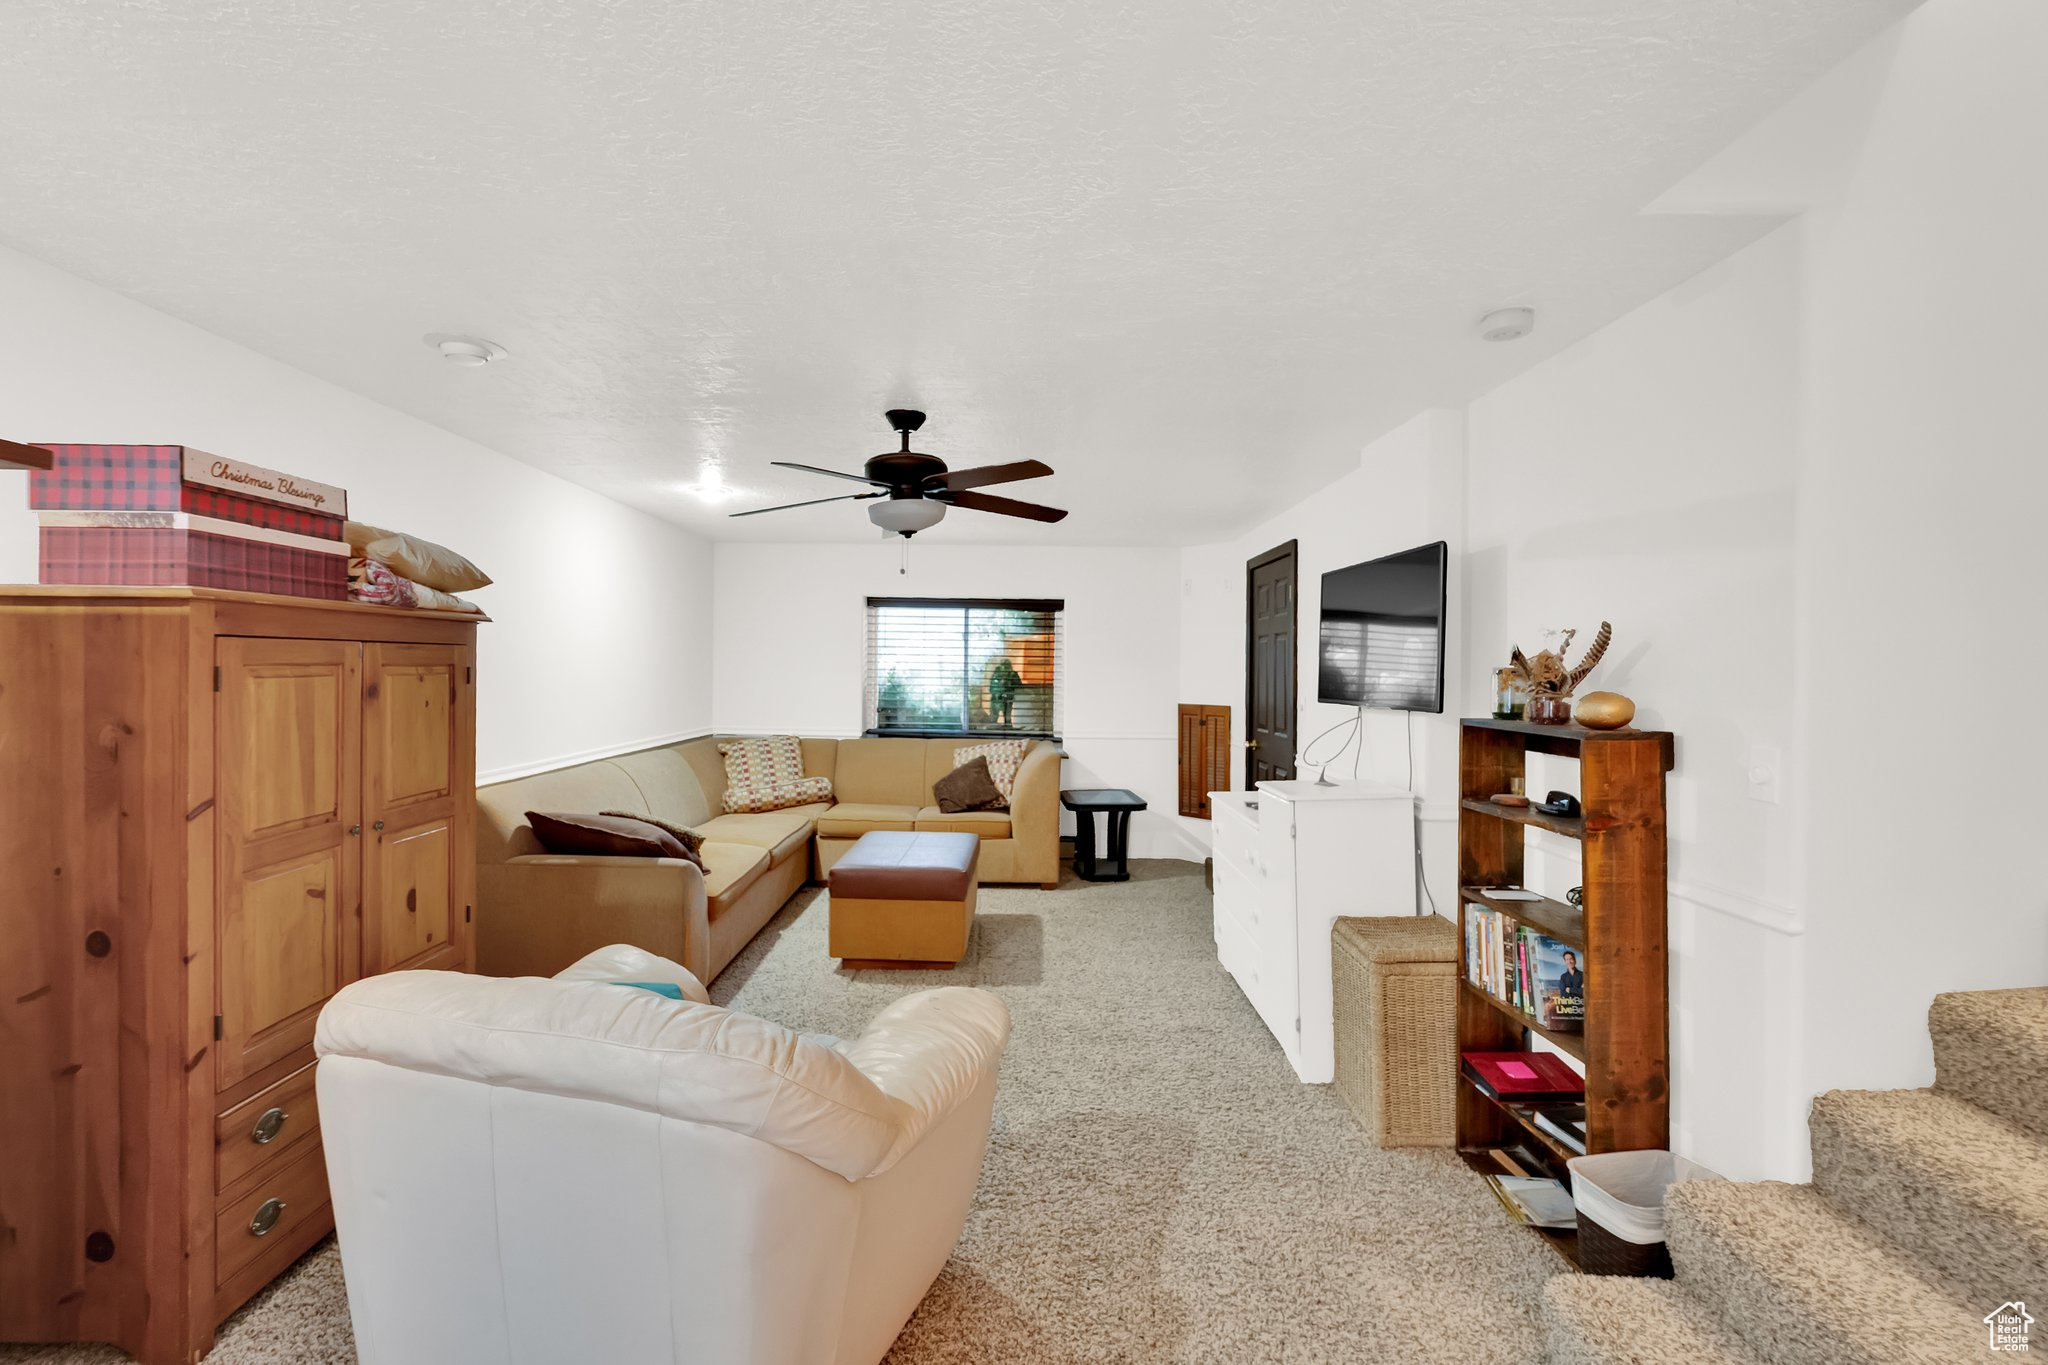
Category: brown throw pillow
[690,839]
[968,787]
[604,835]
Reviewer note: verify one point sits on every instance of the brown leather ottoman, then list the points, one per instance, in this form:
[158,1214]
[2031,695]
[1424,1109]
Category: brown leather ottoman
[900,898]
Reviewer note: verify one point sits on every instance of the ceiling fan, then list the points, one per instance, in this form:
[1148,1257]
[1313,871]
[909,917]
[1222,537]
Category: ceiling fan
[920,488]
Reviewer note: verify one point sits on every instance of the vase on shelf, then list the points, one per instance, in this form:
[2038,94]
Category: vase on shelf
[1549,708]
[1510,697]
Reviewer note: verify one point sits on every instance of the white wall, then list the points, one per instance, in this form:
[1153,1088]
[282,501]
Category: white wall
[790,638]
[1646,477]
[601,613]
[1922,490]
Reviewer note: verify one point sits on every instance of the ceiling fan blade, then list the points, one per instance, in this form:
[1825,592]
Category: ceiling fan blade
[1008,507]
[982,476]
[813,469]
[784,507]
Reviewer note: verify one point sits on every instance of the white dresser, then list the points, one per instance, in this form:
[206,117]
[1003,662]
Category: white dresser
[1290,858]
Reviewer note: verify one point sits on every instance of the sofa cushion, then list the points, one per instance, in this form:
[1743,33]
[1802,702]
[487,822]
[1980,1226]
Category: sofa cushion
[967,787]
[781,832]
[888,772]
[850,818]
[989,824]
[691,841]
[606,836]
[729,869]
[767,773]
[501,828]
[1004,757]
[668,785]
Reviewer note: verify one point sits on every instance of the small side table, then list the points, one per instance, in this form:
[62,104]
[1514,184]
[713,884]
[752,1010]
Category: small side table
[1117,804]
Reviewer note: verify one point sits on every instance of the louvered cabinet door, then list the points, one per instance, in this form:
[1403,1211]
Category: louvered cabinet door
[288,746]
[418,785]
[1204,756]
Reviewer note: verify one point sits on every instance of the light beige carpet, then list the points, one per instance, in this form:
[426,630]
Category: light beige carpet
[1159,1187]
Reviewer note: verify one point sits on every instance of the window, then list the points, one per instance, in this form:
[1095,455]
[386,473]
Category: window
[960,666]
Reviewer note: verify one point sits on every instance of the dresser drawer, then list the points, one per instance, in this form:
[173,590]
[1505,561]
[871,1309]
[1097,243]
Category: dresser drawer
[1233,831]
[266,1130]
[270,1213]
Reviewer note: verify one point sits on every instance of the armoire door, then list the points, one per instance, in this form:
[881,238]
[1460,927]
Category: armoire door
[288,744]
[417,855]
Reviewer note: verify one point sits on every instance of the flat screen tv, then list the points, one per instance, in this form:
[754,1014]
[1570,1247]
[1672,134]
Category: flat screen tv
[1382,634]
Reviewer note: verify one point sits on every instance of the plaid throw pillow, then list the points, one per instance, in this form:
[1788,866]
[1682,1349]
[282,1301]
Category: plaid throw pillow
[768,774]
[1004,757]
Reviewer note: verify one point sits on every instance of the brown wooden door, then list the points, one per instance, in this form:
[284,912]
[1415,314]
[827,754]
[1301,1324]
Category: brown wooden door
[417,757]
[1270,628]
[288,767]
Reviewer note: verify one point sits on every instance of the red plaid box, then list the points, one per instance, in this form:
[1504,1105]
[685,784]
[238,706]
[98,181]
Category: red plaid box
[180,479]
[195,559]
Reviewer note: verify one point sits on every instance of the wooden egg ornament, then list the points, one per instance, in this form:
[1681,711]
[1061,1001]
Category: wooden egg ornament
[1604,710]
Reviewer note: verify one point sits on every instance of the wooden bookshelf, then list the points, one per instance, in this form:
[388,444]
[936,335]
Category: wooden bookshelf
[1618,932]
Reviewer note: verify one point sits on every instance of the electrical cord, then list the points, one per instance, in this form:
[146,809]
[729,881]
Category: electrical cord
[1358,721]
[1421,875]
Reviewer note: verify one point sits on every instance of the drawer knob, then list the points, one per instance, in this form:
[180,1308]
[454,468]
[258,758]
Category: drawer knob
[266,1217]
[268,1126]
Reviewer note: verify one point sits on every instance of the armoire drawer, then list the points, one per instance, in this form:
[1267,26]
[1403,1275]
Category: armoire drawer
[266,1216]
[266,1130]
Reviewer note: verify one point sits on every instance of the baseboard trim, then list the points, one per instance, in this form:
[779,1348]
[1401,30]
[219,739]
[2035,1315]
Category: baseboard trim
[513,772]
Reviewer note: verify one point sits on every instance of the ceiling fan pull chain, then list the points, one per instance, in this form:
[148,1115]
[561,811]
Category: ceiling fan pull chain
[904,567]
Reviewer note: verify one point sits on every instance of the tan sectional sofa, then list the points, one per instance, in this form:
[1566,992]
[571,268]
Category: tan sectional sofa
[537,913]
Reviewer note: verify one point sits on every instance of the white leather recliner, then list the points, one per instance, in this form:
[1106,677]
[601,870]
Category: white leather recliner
[546,1171]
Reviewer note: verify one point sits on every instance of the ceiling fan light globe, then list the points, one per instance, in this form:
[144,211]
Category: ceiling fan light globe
[906,516]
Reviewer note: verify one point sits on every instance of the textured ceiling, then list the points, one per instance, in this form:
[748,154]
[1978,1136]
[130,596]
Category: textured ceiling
[1192,254]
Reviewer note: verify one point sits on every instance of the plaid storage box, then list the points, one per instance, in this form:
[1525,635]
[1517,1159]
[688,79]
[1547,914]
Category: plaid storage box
[90,478]
[153,558]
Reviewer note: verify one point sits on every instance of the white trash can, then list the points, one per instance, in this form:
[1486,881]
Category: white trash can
[1620,1202]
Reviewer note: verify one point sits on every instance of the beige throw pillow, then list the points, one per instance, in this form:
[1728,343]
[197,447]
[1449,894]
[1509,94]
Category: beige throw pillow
[768,774]
[1004,757]
[424,562]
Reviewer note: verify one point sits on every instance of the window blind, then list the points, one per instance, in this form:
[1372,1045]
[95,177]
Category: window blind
[1385,661]
[963,666]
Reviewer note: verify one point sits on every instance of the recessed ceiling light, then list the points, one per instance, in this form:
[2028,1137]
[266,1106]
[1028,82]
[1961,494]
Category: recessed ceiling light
[710,485]
[1507,324]
[464,350]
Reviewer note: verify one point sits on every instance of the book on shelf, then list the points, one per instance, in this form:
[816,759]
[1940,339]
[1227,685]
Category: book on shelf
[1538,1201]
[1569,1132]
[1524,968]
[1558,993]
[1523,1077]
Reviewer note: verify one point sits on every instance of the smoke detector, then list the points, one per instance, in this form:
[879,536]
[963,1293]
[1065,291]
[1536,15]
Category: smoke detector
[1507,324]
[464,350]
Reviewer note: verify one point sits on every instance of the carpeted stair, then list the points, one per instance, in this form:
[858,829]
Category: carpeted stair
[1928,1209]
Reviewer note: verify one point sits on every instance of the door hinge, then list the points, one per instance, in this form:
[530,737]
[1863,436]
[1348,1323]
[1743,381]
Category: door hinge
[216,677]
[465,672]
[216,1028]
[465,914]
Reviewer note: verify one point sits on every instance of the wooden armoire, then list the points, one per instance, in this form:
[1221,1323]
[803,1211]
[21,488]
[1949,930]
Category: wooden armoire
[216,809]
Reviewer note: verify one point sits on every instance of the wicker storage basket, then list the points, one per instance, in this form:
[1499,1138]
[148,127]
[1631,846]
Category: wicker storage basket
[1395,992]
